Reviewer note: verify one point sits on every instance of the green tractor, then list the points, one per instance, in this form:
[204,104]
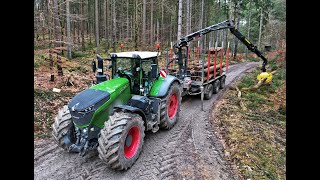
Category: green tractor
[113,115]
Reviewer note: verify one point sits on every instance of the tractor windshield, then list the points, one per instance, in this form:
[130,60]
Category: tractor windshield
[124,64]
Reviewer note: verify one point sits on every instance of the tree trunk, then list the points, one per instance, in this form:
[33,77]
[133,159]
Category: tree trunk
[201,15]
[73,24]
[97,24]
[144,23]
[68,29]
[235,40]
[89,23]
[188,17]
[151,24]
[105,19]
[62,24]
[249,27]
[131,25]
[56,23]
[82,26]
[114,25]
[179,20]
[201,21]
[108,15]
[158,33]
[170,35]
[50,23]
[127,19]
[136,24]
[162,23]
[78,23]
[260,29]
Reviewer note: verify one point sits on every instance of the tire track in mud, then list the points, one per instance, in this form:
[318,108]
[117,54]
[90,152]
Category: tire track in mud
[190,150]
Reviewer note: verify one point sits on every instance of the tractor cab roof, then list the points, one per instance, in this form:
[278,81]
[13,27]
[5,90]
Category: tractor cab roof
[135,54]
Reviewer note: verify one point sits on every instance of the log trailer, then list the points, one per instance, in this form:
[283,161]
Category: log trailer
[193,78]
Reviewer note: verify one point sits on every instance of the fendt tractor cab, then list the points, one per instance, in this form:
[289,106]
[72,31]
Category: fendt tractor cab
[113,115]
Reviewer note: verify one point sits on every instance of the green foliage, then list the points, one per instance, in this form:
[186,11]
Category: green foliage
[77,54]
[279,10]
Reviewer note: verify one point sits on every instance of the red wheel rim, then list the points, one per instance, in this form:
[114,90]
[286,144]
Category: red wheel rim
[172,106]
[132,142]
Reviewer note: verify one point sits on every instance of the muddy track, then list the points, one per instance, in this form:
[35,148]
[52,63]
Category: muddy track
[190,150]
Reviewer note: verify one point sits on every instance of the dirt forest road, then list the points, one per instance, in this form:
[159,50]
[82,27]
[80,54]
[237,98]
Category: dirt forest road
[190,150]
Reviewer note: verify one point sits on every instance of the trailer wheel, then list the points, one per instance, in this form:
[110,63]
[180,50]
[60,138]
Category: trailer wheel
[170,107]
[121,140]
[63,129]
[216,86]
[222,82]
[208,91]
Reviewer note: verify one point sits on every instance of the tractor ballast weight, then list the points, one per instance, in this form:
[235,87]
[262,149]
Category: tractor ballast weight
[112,115]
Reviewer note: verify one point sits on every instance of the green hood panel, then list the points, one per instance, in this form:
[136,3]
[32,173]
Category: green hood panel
[119,90]
[112,85]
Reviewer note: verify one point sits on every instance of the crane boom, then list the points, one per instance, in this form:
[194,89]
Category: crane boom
[227,24]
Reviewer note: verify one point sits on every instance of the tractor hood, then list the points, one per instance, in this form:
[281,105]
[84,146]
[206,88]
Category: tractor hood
[83,105]
[87,98]
[96,94]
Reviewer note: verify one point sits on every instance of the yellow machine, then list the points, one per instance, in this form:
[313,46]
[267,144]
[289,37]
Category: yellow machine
[266,75]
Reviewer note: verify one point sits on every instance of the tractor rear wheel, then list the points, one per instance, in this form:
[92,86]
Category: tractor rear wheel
[170,107]
[63,129]
[121,140]
[216,86]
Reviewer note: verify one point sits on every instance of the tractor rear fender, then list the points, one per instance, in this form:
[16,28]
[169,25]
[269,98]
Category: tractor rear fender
[132,109]
[162,85]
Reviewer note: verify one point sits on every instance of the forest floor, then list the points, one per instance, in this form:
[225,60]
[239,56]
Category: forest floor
[208,145]
[252,124]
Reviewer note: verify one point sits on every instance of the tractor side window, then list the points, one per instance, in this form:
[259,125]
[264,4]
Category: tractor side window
[146,68]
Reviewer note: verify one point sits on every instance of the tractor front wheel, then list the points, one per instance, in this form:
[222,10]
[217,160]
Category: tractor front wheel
[170,107]
[63,129]
[121,140]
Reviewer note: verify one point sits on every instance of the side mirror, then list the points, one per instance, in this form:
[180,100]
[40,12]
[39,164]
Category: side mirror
[154,71]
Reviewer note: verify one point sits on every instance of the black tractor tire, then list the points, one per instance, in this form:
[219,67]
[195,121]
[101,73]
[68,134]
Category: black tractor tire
[62,127]
[216,86]
[222,82]
[169,118]
[208,91]
[120,129]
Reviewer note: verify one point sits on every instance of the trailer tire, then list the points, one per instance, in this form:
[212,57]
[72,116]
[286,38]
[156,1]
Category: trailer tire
[170,107]
[208,91]
[121,140]
[216,86]
[62,127]
[223,82]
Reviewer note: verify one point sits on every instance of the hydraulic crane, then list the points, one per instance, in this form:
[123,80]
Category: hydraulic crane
[227,24]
